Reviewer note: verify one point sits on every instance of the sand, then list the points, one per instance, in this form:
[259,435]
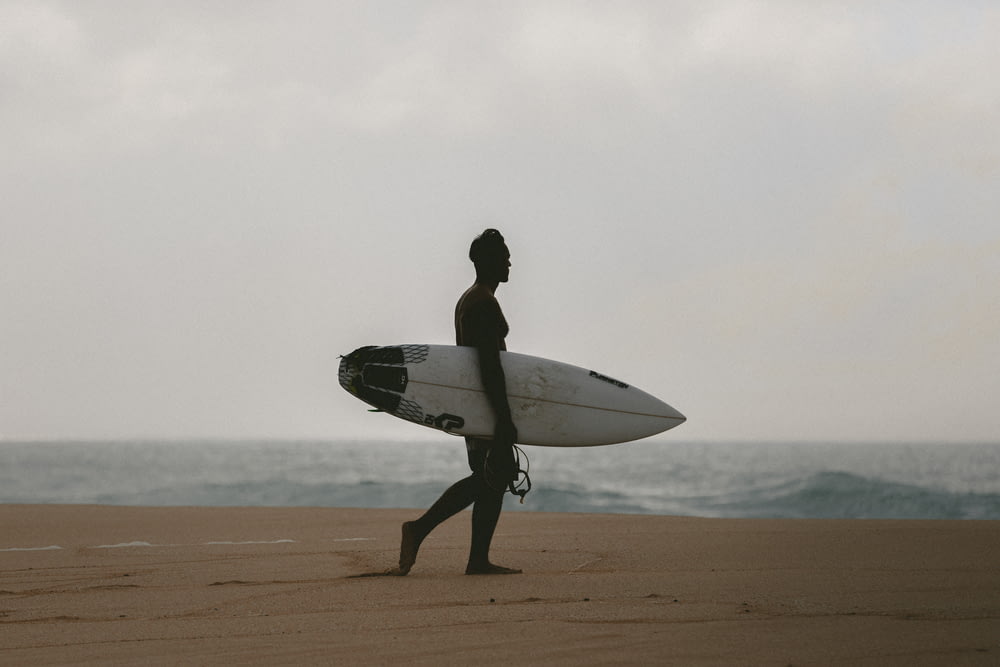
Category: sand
[274,586]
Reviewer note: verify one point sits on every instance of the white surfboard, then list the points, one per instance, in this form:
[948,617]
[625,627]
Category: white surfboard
[551,403]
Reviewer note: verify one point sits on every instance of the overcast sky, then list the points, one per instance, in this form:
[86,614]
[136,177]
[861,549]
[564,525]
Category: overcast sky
[782,218]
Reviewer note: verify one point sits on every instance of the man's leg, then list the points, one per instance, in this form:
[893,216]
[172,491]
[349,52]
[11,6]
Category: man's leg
[456,498]
[493,480]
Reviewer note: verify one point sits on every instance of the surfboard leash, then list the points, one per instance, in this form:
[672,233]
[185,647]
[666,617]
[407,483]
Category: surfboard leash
[521,485]
[515,486]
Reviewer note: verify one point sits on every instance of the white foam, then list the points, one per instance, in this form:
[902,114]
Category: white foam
[138,544]
[124,545]
[256,542]
[354,539]
[54,547]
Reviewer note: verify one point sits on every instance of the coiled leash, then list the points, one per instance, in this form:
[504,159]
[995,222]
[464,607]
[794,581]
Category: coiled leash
[521,484]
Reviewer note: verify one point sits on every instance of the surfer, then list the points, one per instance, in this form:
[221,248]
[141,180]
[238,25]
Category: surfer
[479,323]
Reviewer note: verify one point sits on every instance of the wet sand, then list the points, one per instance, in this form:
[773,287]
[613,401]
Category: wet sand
[131,585]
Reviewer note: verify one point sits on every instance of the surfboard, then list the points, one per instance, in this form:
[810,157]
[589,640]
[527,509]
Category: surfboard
[552,403]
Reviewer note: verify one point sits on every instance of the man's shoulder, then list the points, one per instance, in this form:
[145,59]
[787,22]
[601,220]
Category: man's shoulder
[476,297]
[478,315]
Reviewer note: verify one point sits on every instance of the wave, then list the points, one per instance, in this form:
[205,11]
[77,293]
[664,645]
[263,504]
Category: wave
[829,495]
[821,495]
[765,481]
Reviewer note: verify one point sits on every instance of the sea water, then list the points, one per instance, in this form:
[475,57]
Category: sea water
[657,476]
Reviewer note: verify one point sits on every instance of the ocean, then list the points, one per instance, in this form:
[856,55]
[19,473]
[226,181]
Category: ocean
[656,476]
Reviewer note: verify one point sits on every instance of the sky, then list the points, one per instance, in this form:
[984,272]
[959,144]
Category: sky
[782,218]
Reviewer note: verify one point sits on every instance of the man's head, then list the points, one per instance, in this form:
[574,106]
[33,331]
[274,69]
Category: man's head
[490,255]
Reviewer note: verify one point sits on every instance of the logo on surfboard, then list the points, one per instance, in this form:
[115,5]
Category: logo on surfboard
[445,421]
[605,378]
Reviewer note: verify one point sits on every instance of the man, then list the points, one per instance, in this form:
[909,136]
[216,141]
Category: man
[479,323]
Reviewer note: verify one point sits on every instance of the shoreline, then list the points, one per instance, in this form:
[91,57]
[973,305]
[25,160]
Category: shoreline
[275,585]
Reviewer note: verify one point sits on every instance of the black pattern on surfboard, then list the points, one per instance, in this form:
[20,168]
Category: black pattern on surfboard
[378,376]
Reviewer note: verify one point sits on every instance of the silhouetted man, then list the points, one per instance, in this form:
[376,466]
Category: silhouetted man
[479,323]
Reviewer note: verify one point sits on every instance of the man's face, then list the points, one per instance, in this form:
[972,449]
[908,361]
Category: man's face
[495,265]
[503,265]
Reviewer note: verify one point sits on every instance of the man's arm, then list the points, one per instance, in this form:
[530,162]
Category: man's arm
[482,326]
[495,384]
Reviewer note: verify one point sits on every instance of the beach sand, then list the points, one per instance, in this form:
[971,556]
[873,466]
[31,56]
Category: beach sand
[174,585]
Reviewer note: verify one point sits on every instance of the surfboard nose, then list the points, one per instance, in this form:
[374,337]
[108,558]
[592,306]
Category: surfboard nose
[665,416]
[674,413]
[652,406]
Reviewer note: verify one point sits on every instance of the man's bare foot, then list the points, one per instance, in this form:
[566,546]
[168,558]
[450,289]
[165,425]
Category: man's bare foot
[408,547]
[490,568]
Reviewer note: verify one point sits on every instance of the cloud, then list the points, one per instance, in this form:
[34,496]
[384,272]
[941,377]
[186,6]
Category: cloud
[732,204]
